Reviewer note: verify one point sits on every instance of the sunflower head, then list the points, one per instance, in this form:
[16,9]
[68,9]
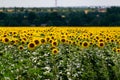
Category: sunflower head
[70,41]
[112,40]
[85,44]
[80,43]
[54,43]
[24,38]
[63,40]
[20,47]
[42,40]
[55,51]
[101,44]
[14,41]
[114,49]
[47,38]
[107,39]
[23,42]
[118,50]
[36,41]
[31,46]
[5,40]
[101,40]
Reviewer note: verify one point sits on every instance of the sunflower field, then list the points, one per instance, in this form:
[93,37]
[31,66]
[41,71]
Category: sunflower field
[59,53]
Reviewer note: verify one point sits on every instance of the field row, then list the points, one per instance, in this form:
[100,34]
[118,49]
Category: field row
[31,38]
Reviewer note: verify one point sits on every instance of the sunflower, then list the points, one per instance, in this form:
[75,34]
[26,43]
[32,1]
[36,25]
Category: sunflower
[114,49]
[107,39]
[101,44]
[14,41]
[54,43]
[48,39]
[42,40]
[70,41]
[31,46]
[97,37]
[78,38]
[101,40]
[118,50]
[80,43]
[20,47]
[63,36]
[85,44]
[92,42]
[23,42]
[52,37]
[36,41]
[55,51]
[112,40]
[24,38]
[5,40]
[63,40]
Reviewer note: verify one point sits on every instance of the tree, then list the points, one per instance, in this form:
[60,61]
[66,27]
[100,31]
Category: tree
[31,17]
[2,15]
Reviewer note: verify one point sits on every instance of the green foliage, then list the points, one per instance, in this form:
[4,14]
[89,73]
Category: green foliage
[72,62]
[60,17]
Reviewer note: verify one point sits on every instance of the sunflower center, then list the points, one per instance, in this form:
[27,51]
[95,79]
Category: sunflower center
[6,40]
[63,40]
[21,48]
[101,44]
[36,42]
[42,41]
[55,51]
[85,44]
[118,50]
[107,38]
[54,43]
[32,45]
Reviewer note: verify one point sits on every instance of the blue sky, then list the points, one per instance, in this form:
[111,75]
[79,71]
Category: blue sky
[51,3]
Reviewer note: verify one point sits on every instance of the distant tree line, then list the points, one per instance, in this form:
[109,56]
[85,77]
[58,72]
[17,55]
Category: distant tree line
[70,18]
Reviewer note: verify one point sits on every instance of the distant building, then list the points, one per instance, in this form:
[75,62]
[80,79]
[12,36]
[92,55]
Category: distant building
[1,10]
[30,10]
[103,10]
[86,11]
[10,10]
